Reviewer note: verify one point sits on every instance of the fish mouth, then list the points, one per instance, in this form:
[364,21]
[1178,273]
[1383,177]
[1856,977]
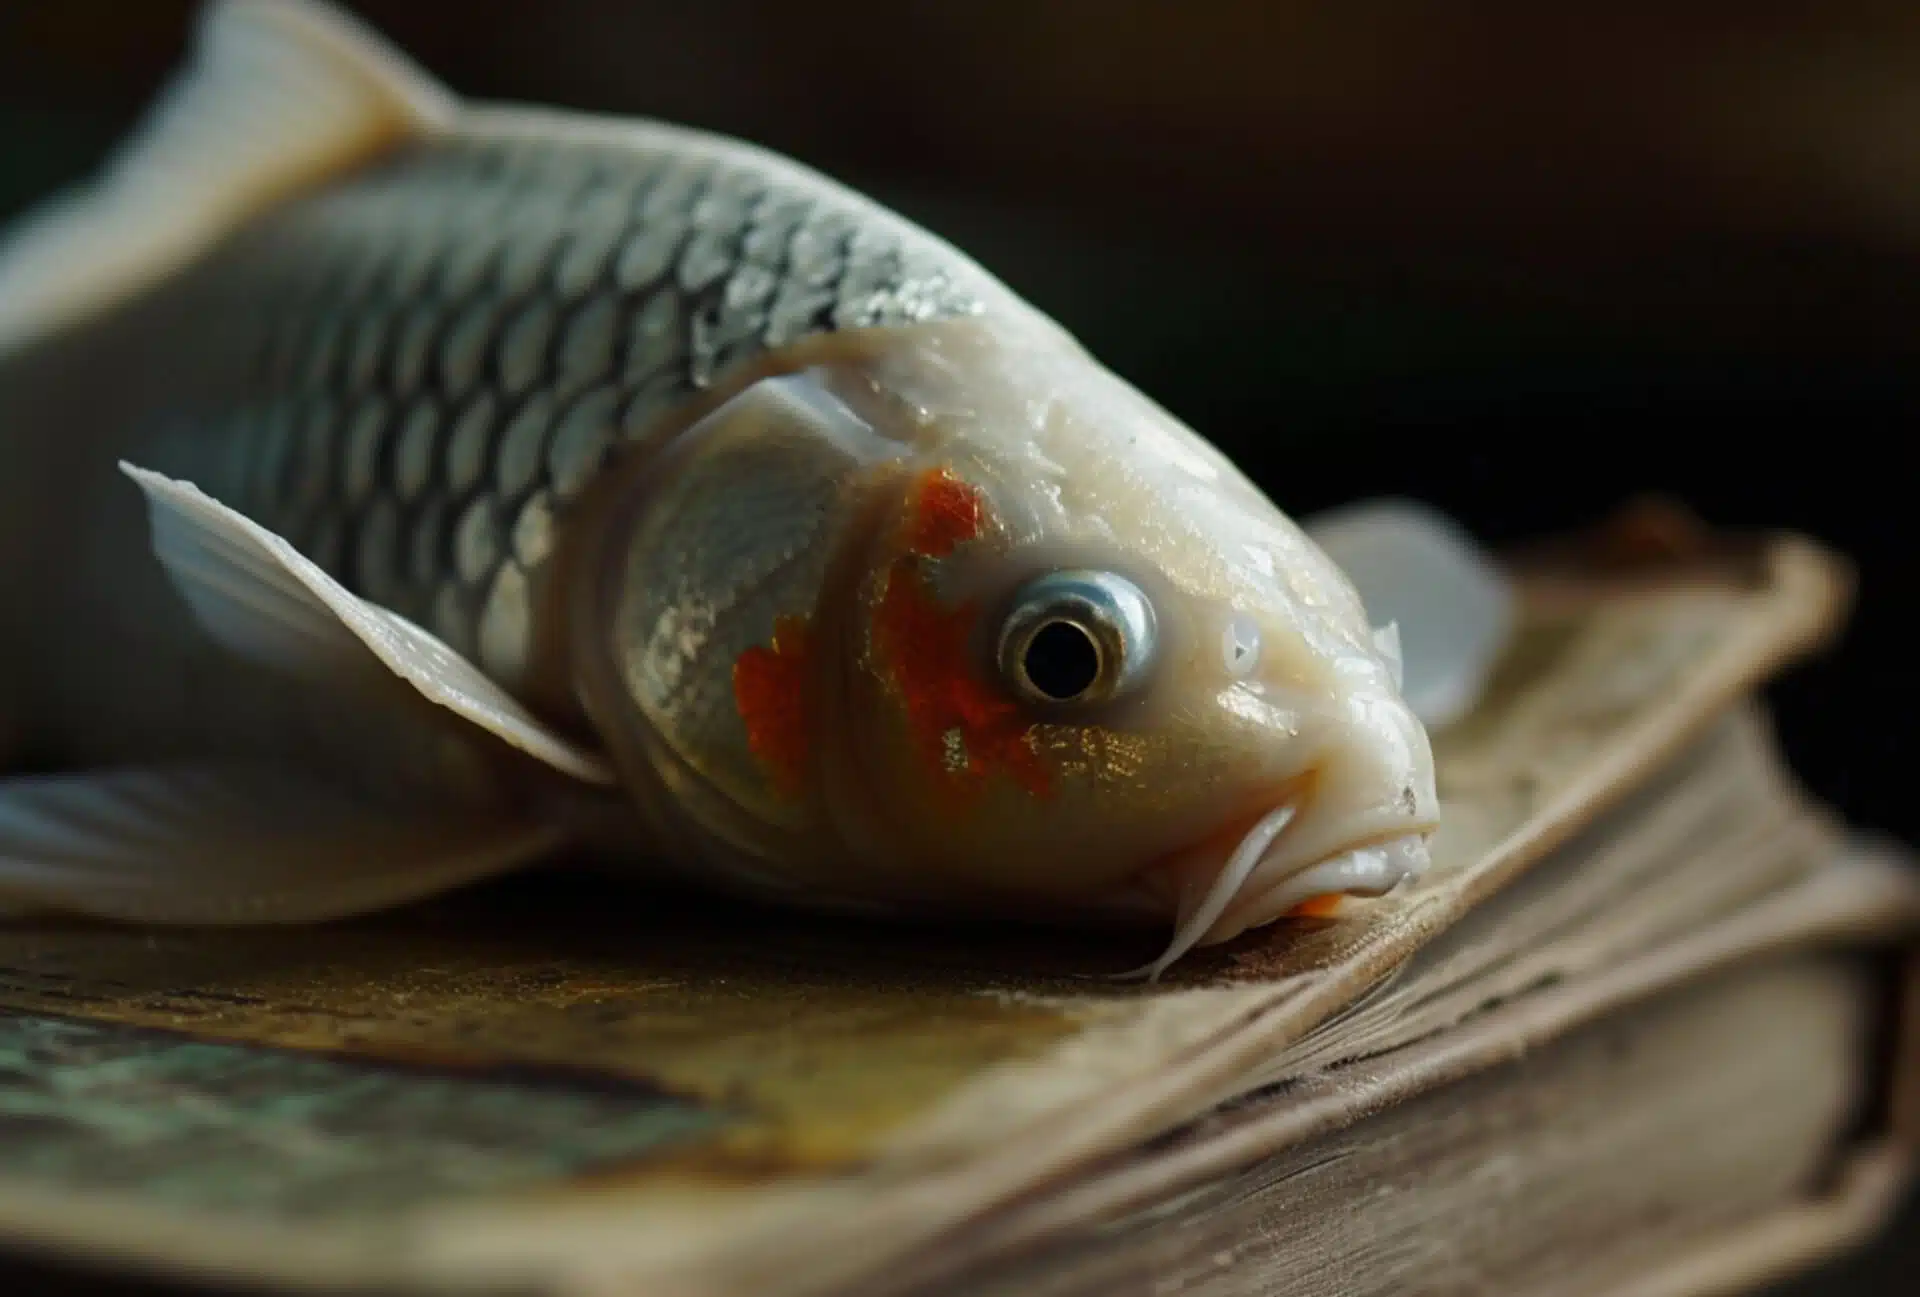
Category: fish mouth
[1276,865]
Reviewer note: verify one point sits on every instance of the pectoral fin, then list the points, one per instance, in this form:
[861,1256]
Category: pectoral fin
[1444,607]
[230,845]
[258,595]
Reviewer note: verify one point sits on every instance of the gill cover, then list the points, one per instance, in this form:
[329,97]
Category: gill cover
[700,648]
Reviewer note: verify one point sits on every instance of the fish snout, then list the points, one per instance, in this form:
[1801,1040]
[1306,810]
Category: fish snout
[1362,825]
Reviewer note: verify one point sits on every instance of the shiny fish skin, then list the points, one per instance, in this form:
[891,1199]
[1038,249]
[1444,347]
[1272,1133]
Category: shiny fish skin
[539,480]
[452,345]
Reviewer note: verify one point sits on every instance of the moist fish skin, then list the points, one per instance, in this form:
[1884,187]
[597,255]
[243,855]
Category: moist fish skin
[403,490]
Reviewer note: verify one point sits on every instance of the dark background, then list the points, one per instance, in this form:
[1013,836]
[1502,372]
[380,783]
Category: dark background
[1523,261]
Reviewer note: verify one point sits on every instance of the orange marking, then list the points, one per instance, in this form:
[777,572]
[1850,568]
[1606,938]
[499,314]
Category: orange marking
[770,691]
[947,513]
[926,649]
[1317,907]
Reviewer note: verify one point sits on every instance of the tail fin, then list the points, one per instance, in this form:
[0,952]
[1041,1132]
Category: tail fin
[276,95]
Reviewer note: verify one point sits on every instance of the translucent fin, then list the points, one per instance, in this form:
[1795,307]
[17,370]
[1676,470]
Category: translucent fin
[1387,640]
[256,594]
[230,845]
[1448,603]
[276,95]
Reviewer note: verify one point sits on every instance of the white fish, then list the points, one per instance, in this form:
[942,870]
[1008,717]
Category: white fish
[402,490]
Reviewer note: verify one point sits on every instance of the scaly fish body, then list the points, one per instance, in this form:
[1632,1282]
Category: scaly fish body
[413,374]
[712,514]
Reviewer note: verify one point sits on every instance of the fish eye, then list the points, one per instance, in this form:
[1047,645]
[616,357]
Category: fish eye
[1077,637]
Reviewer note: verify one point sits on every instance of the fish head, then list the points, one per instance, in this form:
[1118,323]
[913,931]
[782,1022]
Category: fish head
[960,619]
[1090,665]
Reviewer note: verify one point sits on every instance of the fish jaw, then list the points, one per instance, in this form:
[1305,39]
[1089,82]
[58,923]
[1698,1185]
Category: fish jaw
[1359,822]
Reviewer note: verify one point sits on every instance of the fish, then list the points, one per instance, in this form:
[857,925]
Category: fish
[402,490]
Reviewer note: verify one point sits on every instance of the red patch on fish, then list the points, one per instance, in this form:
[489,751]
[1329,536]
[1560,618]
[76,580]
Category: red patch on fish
[946,514]
[770,691]
[926,650]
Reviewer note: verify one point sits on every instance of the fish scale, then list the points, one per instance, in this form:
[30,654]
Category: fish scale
[456,342]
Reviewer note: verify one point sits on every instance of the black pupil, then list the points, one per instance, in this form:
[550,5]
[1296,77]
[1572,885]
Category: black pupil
[1062,661]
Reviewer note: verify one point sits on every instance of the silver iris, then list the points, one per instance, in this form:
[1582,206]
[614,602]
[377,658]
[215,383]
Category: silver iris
[1075,637]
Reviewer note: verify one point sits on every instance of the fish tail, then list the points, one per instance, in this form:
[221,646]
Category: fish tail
[276,96]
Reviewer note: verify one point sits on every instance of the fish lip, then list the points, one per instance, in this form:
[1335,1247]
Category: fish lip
[1387,860]
[1280,869]
[1366,821]
[1281,865]
[1378,827]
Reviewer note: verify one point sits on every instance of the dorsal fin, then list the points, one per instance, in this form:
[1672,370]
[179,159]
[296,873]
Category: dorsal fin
[276,95]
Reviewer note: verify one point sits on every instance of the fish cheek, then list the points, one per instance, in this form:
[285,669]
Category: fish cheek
[981,788]
[949,755]
[963,729]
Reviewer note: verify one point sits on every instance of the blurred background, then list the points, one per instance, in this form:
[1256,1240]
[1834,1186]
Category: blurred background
[1523,261]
